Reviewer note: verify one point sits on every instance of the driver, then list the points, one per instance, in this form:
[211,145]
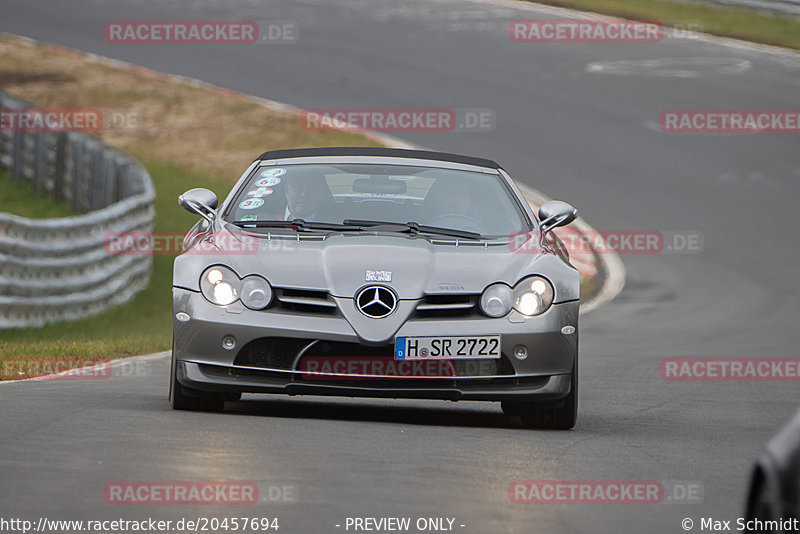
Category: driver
[454,205]
[306,197]
[448,198]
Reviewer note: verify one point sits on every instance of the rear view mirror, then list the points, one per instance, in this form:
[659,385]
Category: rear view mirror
[379,186]
[556,213]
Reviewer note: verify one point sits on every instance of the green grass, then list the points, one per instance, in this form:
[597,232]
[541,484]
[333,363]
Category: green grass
[727,21]
[140,326]
[589,286]
[18,198]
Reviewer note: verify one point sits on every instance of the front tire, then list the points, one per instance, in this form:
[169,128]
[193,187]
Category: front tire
[763,504]
[554,415]
[183,398]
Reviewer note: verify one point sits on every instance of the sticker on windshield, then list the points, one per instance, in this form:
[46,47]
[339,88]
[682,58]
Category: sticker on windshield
[273,173]
[251,203]
[260,192]
[250,217]
[268,182]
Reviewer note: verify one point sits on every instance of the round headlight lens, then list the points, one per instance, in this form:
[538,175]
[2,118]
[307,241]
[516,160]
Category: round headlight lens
[256,292]
[496,300]
[533,295]
[220,285]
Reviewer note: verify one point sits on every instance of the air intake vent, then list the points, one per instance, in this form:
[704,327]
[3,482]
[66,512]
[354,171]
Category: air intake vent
[447,305]
[307,300]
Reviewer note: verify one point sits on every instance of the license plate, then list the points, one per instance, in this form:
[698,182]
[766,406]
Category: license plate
[447,348]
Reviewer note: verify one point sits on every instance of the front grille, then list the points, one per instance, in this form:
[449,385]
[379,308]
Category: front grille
[282,352]
[305,301]
[354,358]
[309,301]
[339,349]
[336,361]
[449,305]
[271,352]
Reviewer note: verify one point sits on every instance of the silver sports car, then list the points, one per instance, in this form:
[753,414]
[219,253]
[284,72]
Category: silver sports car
[373,272]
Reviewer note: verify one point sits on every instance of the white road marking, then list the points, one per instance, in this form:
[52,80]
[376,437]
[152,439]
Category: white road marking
[688,67]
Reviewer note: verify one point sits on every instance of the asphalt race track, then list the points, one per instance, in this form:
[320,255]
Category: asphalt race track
[588,135]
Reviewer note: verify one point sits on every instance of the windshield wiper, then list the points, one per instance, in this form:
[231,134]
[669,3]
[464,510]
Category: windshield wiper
[413,228]
[299,224]
[358,225]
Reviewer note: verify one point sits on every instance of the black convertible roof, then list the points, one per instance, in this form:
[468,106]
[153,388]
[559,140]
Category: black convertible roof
[374,151]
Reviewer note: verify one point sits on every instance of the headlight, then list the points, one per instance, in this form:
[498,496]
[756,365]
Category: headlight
[220,285]
[533,295]
[256,292]
[496,300]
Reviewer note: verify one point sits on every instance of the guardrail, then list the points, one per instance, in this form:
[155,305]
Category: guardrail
[58,269]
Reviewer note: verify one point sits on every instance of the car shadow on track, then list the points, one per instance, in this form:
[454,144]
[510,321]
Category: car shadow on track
[463,416]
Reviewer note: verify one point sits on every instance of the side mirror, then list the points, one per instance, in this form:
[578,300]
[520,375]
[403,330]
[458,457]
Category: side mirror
[556,213]
[200,201]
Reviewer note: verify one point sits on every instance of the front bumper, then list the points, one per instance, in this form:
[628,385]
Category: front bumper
[203,364]
[222,379]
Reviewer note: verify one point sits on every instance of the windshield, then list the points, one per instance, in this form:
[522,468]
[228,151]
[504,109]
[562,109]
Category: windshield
[454,199]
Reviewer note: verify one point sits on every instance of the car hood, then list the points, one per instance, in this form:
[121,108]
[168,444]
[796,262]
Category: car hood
[338,263]
[416,266]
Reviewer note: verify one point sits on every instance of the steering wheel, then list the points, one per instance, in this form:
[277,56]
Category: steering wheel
[459,221]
